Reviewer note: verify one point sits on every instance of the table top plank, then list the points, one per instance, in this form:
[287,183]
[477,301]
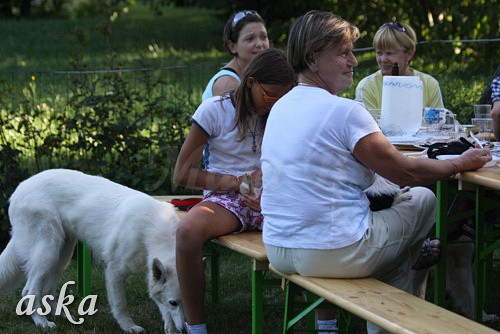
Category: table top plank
[488,177]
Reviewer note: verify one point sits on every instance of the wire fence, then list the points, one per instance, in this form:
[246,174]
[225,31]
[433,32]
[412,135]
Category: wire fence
[62,85]
[54,85]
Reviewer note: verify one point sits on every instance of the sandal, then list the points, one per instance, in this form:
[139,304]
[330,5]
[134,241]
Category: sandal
[429,256]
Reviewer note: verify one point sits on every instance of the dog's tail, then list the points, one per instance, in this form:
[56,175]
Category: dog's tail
[10,270]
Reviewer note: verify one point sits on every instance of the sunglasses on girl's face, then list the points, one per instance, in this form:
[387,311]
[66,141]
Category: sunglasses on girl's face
[394,25]
[265,96]
[238,16]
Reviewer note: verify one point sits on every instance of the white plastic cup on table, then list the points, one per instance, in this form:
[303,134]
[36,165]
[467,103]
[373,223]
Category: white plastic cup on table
[482,110]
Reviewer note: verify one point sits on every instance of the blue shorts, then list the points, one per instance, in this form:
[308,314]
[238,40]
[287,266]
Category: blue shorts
[250,220]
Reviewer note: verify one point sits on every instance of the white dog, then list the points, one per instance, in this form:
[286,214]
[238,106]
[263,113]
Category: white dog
[128,231]
[459,282]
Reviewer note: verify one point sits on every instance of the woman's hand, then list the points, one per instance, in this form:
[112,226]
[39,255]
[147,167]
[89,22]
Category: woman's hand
[257,179]
[253,202]
[252,198]
[474,158]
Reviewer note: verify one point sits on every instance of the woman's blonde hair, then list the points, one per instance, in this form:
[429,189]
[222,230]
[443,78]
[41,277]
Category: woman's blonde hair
[395,35]
[314,32]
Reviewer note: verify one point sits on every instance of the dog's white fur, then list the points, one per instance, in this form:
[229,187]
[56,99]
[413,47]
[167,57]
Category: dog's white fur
[128,231]
[382,186]
[459,282]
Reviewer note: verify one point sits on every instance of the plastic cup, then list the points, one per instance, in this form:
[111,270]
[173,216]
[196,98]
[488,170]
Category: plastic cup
[482,110]
[485,128]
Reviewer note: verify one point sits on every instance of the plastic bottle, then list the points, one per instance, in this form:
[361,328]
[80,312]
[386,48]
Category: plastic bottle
[395,69]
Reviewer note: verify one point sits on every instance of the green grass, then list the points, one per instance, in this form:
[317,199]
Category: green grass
[179,36]
[232,315]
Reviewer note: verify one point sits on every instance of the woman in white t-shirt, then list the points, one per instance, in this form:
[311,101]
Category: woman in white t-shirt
[320,152]
[231,126]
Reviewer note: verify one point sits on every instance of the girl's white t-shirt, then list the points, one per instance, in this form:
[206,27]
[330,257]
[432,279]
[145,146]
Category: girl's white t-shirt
[225,153]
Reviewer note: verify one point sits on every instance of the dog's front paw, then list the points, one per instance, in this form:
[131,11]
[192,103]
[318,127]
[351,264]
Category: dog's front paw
[133,329]
[405,190]
[403,195]
[41,321]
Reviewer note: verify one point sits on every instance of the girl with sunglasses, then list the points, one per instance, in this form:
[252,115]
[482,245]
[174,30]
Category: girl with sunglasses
[245,35]
[395,42]
[231,126]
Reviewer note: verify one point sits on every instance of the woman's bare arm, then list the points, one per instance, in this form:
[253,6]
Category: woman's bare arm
[378,154]
[187,170]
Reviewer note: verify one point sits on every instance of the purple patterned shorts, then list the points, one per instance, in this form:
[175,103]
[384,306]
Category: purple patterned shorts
[233,202]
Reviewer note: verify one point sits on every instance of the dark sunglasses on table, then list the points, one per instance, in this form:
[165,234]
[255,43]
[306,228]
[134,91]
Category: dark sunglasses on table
[240,15]
[267,98]
[394,25]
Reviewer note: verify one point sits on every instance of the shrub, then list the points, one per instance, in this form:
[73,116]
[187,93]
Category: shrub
[129,131]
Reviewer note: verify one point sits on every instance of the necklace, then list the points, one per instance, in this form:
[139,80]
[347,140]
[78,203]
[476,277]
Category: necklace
[254,133]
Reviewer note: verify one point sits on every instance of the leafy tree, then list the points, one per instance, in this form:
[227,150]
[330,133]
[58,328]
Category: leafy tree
[59,8]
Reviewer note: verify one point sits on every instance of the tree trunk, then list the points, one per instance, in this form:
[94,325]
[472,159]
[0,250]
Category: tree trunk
[25,8]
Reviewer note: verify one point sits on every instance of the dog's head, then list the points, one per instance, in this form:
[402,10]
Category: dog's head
[164,290]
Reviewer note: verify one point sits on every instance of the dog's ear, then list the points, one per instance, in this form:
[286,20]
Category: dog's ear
[161,273]
[157,269]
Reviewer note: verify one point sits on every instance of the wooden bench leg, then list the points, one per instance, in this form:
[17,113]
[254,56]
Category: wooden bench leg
[84,268]
[214,271]
[311,302]
[291,304]
[442,191]
[258,269]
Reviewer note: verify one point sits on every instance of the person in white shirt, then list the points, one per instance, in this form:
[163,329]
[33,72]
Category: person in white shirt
[231,127]
[319,153]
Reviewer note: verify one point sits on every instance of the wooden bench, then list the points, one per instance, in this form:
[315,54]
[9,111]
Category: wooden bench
[388,307]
